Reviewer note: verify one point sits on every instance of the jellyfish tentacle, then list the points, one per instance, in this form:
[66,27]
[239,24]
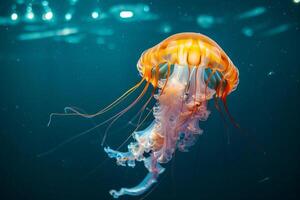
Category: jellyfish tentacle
[76,112]
[67,141]
[167,77]
[121,113]
[113,104]
[155,86]
[136,152]
[141,111]
[85,132]
[155,169]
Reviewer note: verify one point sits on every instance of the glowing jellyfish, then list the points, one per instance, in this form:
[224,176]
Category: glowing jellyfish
[185,70]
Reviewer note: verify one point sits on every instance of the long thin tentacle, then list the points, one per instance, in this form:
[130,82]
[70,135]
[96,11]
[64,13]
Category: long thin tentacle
[74,138]
[76,112]
[84,114]
[167,78]
[118,115]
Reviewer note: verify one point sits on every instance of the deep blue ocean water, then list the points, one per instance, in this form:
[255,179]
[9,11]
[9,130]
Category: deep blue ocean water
[47,63]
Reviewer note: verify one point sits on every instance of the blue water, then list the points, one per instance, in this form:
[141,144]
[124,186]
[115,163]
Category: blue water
[88,62]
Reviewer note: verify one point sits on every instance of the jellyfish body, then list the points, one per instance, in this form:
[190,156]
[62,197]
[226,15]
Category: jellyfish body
[186,70]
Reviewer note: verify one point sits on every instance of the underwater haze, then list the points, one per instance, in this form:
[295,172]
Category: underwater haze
[84,53]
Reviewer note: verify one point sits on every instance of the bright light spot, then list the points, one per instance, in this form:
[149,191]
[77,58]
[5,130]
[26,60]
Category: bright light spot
[30,15]
[247,31]
[146,8]
[73,2]
[95,14]
[126,14]
[206,21]
[257,11]
[296,1]
[68,16]
[165,28]
[45,3]
[271,73]
[14,16]
[67,31]
[277,30]
[48,15]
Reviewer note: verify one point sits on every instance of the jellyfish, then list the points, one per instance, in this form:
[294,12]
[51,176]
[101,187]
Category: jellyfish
[185,70]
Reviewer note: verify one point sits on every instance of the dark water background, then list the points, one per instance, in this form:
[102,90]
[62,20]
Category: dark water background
[44,75]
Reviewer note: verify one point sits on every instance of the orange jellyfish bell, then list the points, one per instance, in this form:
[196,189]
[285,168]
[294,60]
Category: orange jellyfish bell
[186,70]
[191,50]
